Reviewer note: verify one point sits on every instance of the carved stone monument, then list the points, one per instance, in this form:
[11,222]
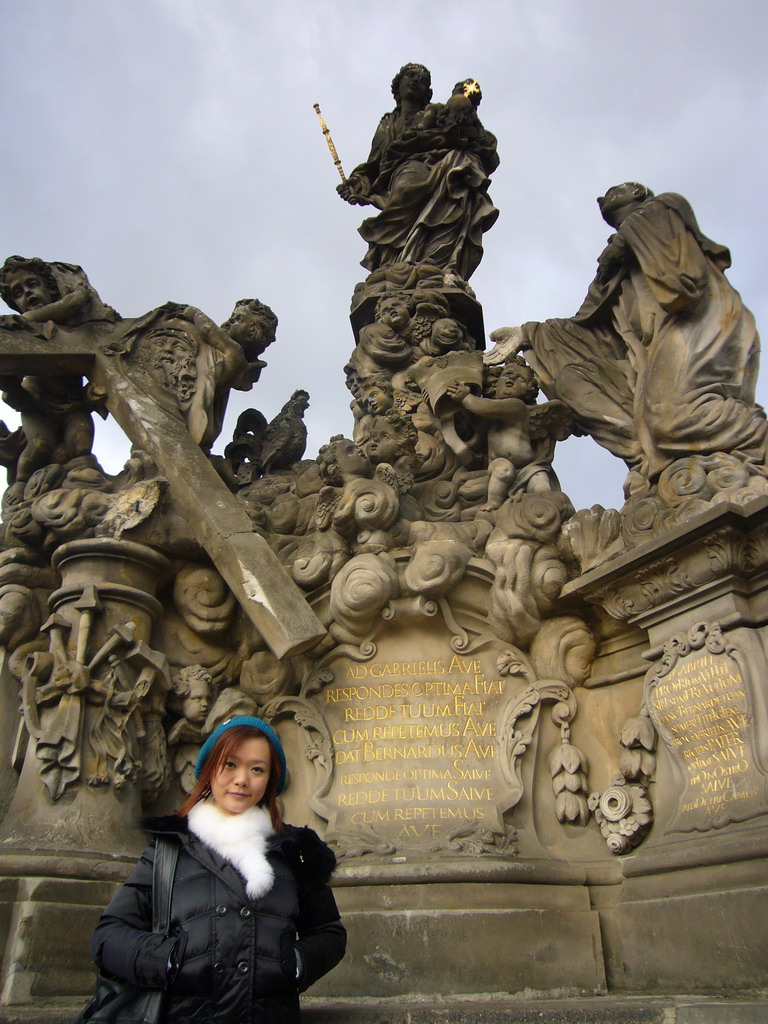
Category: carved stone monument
[536,737]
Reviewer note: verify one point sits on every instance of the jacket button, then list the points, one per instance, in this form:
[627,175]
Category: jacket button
[218,968]
[221,910]
[243,967]
[245,912]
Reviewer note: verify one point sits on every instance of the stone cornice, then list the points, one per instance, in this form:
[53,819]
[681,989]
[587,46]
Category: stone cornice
[726,545]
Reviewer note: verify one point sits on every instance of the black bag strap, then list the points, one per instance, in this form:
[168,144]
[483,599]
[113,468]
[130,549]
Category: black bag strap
[166,856]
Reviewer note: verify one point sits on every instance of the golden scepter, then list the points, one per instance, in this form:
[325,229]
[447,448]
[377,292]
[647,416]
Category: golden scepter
[329,140]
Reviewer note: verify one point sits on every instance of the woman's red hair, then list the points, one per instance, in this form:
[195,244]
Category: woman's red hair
[222,749]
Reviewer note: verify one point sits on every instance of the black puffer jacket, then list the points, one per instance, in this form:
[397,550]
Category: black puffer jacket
[234,958]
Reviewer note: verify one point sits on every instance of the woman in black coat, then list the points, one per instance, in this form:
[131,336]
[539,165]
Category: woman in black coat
[254,920]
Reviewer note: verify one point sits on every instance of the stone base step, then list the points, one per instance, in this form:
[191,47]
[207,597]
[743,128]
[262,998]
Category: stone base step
[607,1009]
[508,1010]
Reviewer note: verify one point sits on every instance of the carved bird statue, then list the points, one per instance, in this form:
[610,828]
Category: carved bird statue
[285,438]
[258,447]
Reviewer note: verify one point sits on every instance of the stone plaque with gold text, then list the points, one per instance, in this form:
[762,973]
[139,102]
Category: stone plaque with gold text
[416,745]
[700,702]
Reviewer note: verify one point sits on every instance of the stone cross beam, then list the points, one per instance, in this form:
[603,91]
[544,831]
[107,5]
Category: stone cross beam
[267,594]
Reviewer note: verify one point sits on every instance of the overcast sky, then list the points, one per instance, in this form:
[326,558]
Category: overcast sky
[170,148]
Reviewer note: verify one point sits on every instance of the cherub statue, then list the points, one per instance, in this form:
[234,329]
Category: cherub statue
[385,344]
[520,433]
[253,326]
[391,442]
[55,411]
[360,502]
[373,396]
[376,397]
[191,698]
[56,292]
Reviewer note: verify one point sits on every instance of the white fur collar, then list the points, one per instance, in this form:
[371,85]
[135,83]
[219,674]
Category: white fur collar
[239,838]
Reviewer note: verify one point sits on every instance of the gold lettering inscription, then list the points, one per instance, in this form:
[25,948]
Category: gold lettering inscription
[414,744]
[701,709]
[477,686]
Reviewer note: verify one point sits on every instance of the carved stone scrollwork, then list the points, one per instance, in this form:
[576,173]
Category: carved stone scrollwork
[264,678]
[198,622]
[363,839]
[735,545]
[616,603]
[530,571]
[359,592]
[436,566]
[662,579]
[728,550]
[319,745]
[517,726]
[476,839]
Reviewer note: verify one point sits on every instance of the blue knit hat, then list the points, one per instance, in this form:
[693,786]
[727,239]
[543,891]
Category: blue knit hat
[254,723]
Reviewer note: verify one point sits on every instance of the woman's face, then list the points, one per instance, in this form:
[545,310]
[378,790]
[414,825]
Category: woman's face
[241,781]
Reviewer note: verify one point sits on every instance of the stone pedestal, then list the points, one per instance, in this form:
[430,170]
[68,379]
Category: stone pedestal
[49,906]
[420,752]
[443,929]
[423,754]
[62,847]
[91,814]
[692,913]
